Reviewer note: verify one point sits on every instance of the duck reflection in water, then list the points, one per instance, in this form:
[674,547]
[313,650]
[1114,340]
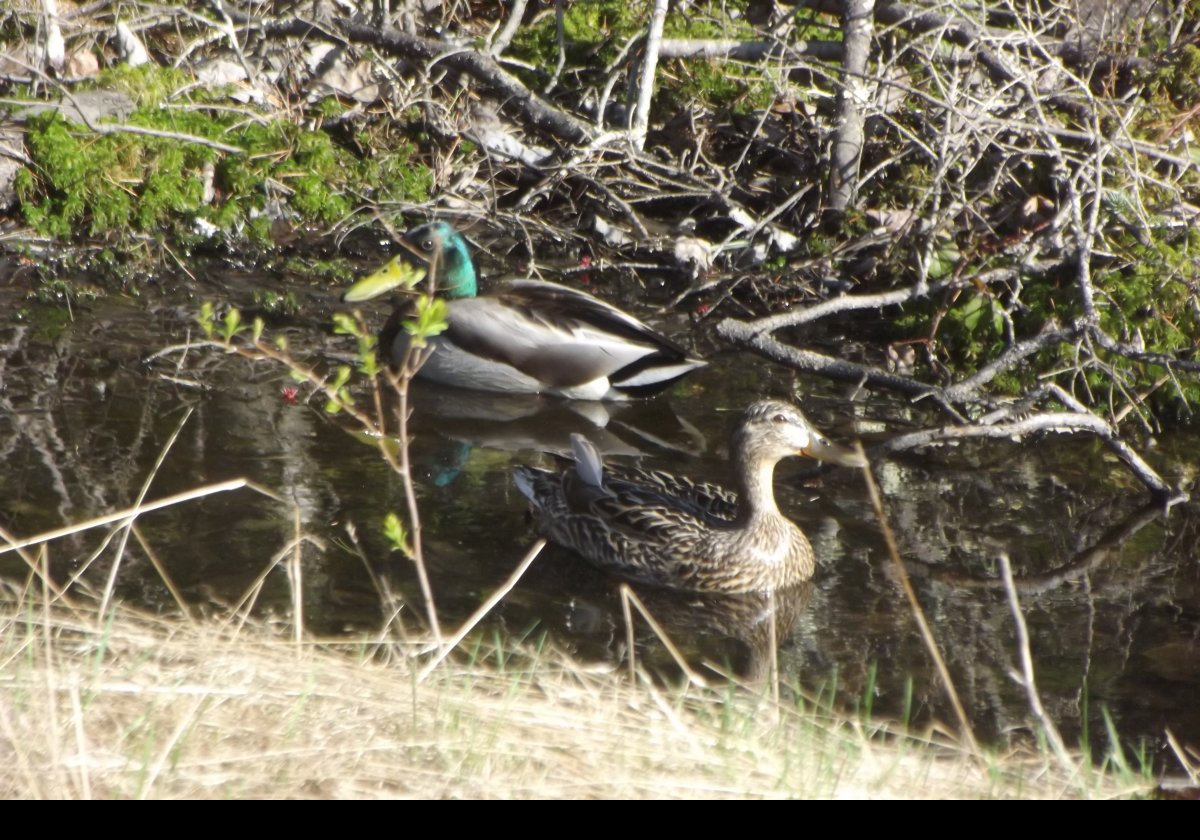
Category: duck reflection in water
[728,635]
[466,420]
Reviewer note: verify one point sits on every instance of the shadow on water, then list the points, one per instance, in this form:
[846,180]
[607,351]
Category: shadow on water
[1111,590]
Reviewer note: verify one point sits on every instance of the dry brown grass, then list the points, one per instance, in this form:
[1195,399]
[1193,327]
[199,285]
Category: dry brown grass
[143,706]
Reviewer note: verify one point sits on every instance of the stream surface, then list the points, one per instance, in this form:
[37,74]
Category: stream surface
[1110,589]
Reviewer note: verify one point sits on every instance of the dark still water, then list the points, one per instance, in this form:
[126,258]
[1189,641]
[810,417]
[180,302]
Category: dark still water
[1111,591]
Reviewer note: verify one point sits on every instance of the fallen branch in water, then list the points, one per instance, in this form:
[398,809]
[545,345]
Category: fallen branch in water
[1082,563]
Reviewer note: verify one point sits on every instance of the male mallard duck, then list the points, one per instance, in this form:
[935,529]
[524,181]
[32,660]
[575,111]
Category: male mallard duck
[671,531]
[530,337]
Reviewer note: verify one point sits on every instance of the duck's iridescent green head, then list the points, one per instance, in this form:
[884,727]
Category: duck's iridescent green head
[433,246]
[440,245]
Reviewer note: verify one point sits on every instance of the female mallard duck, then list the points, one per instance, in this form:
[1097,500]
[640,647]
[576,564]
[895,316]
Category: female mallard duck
[530,337]
[671,531]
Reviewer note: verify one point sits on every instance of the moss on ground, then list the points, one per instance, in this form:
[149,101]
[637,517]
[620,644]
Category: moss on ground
[84,184]
[596,32]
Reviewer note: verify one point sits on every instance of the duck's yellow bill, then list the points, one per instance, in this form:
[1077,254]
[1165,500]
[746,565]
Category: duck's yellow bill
[399,273]
[823,449]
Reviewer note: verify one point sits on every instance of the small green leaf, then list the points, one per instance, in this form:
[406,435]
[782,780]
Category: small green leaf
[943,261]
[258,329]
[396,534]
[431,320]
[233,324]
[972,312]
[345,324]
[341,377]
[207,318]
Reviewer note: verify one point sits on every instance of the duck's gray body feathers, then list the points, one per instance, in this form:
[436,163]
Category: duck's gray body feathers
[525,336]
[535,337]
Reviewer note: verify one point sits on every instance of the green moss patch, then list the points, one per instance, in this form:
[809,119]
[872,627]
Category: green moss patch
[82,183]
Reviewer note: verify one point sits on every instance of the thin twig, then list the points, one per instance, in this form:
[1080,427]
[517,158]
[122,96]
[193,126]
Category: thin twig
[141,497]
[630,639]
[391,606]
[400,382]
[484,608]
[1192,768]
[167,751]
[502,40]
[560,39]
[81,743]
[296,578]
[628,596]
[152,556]
[111,128]
[31,563]
[48,649]
[1026,678]
[139,510]
[964,723]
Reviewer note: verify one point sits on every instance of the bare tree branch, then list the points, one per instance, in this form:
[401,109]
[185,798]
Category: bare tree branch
[483,68]
[847,143]
[750,50]
[502,40]
[641,112]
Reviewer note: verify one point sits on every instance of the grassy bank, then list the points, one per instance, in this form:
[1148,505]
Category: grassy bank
[132,705]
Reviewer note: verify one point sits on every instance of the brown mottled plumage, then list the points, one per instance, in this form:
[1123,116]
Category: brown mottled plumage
[668,530]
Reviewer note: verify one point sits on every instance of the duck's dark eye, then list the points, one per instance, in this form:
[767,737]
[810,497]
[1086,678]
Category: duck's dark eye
[778,418]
